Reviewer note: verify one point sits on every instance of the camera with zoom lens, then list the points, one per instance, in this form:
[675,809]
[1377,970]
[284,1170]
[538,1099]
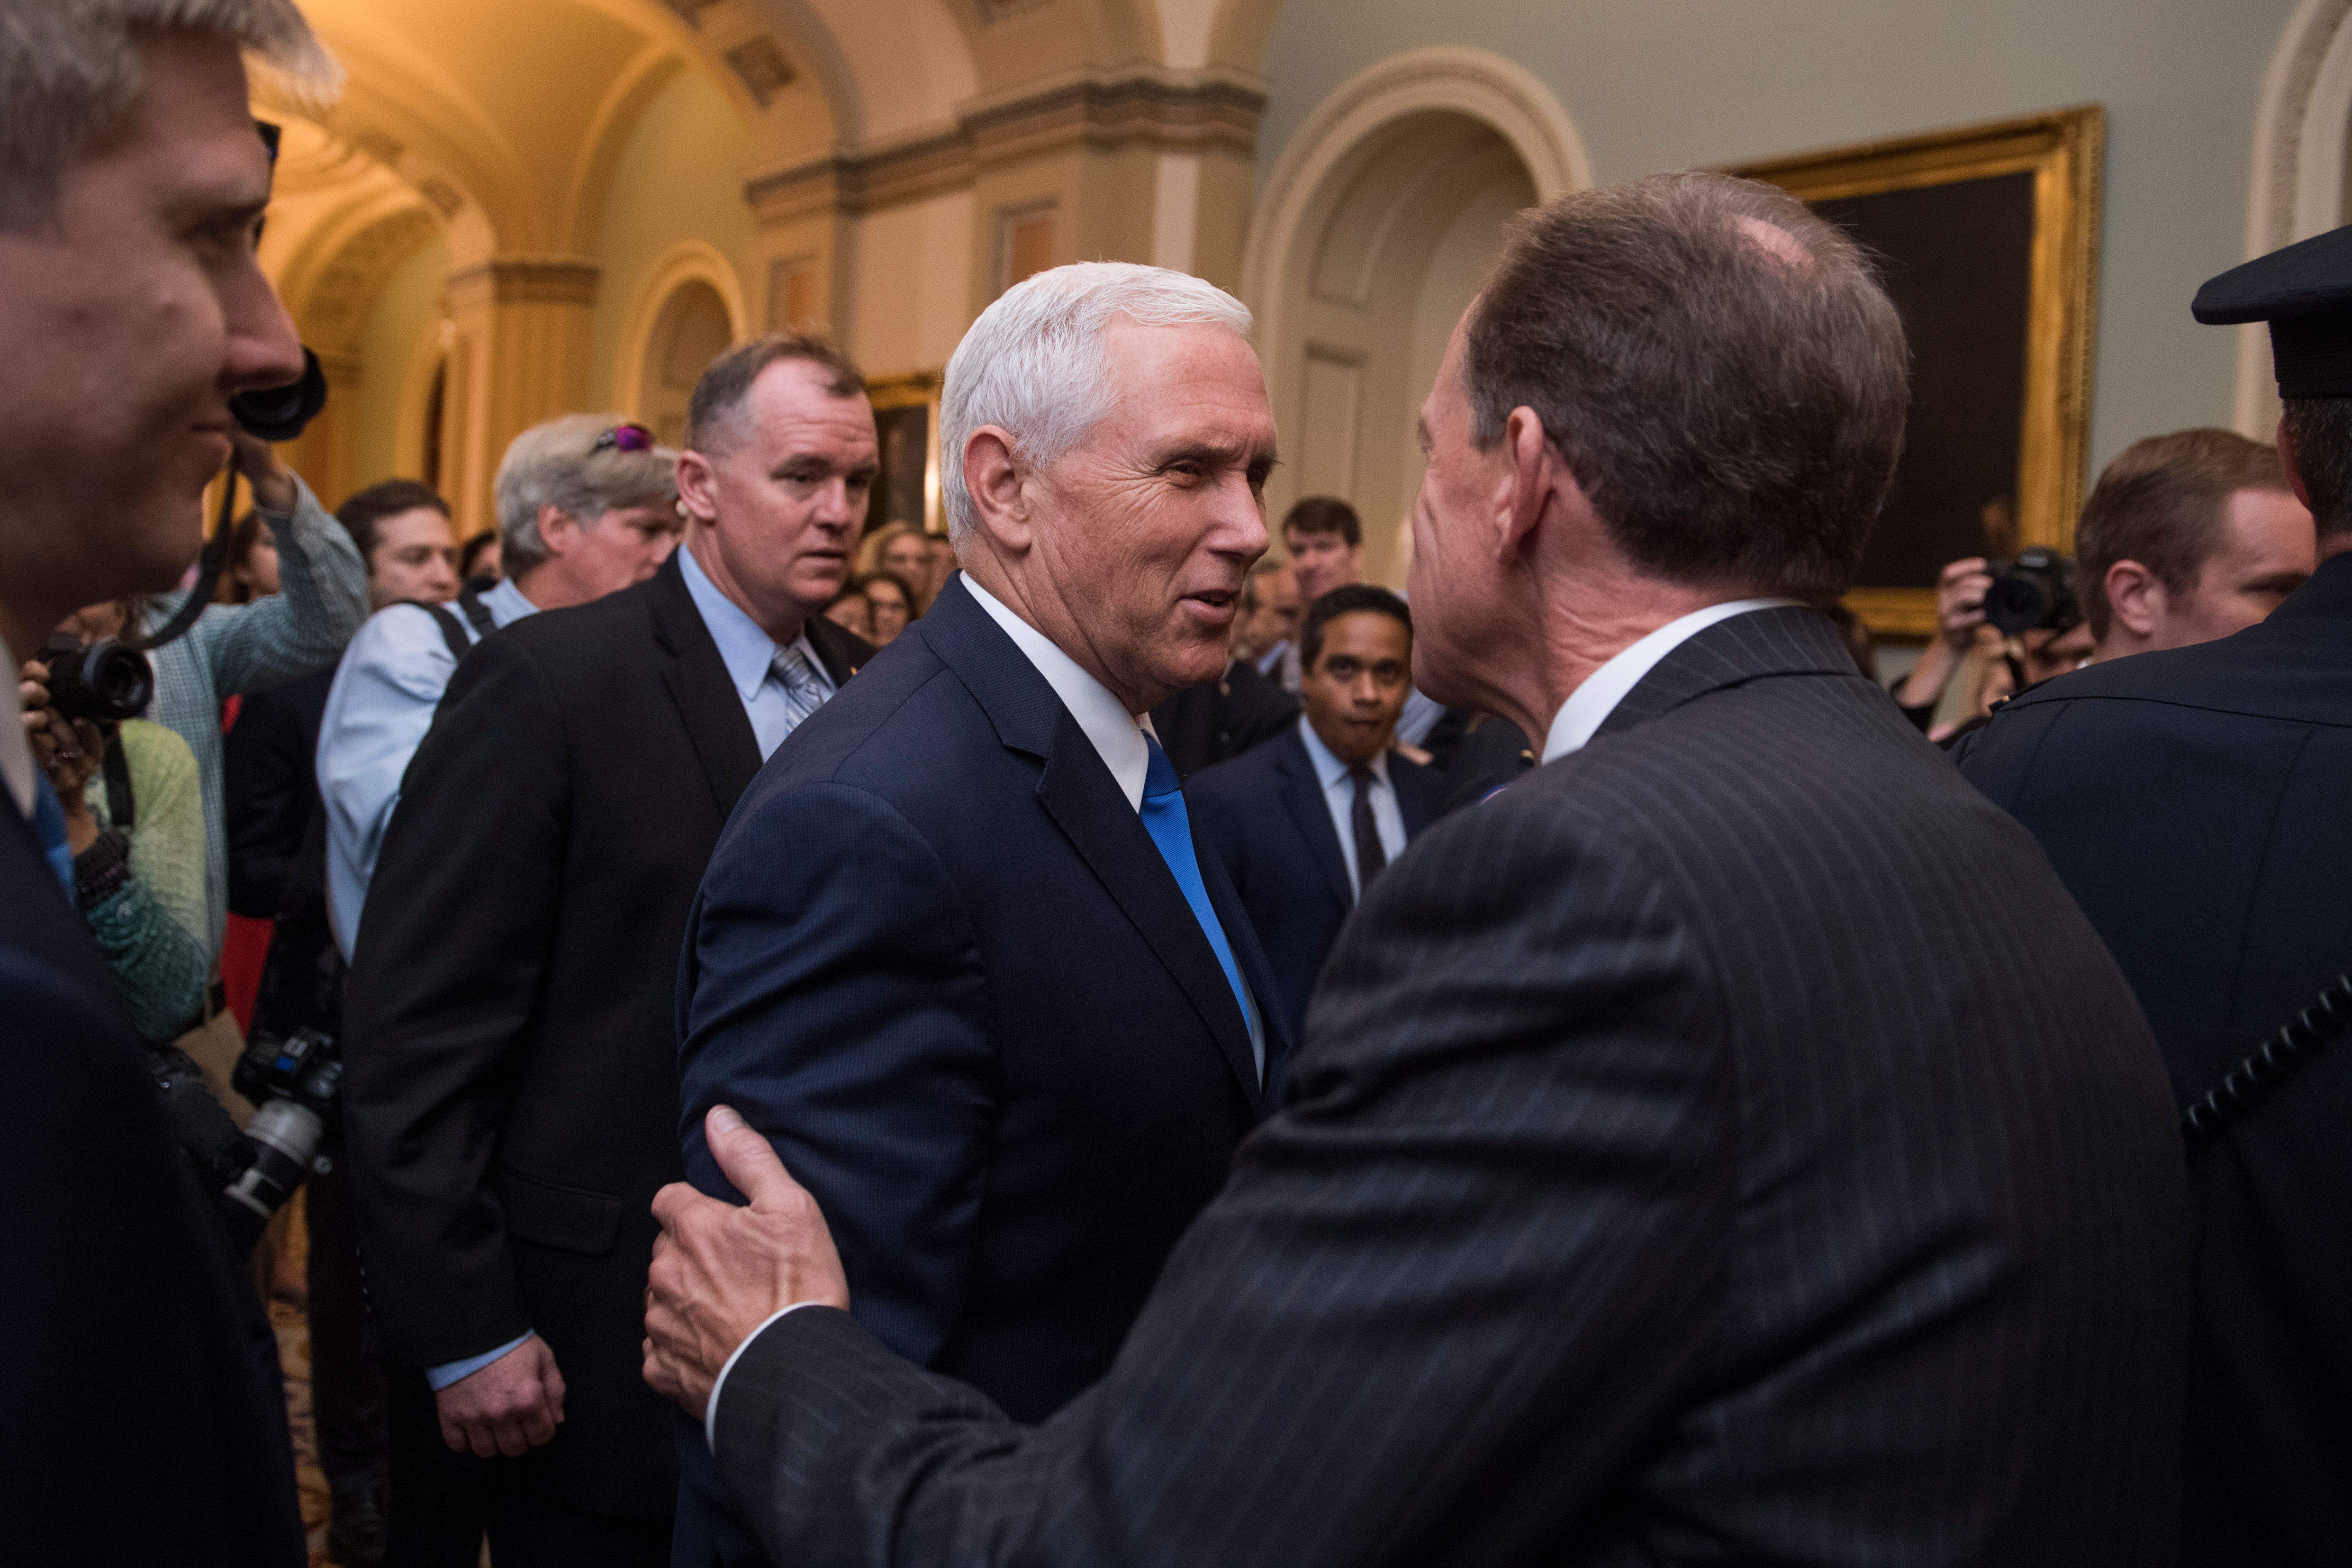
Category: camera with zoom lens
[105,682]
[2034,592]
[294,1081]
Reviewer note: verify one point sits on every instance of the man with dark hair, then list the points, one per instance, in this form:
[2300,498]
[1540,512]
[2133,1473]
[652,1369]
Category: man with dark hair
[1305,825]
[146,1412]
[511,1086]
[2186,538]
[1325,539]
[402,530]
[2192,799]
[1686,1159]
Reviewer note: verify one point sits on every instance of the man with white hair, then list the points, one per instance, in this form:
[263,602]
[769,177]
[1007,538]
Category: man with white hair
[146,1416]
[958,955]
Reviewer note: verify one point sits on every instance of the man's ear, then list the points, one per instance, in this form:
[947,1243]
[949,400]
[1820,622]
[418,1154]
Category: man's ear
[1531,468]
[997,481]
[698,487]
[2136,597]
[2293,471]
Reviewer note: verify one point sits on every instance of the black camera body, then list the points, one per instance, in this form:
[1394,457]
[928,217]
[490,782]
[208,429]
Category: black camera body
[279,413]
[2034,592]
[295,1082]
[105,682]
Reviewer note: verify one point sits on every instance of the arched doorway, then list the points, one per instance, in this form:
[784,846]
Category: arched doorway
[691,329]
[1381,217]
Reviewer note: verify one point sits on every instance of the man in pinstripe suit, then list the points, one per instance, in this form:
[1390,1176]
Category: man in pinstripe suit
[1729,1145]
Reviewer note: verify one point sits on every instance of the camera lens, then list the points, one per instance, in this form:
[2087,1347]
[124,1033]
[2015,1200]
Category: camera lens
[106,681]
[2016,602]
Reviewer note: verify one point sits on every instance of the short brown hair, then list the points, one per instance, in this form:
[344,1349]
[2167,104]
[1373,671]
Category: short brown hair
[1324,514]
[387,498]
[1735,414]
[2161,503]
[719,396]
[2320,430]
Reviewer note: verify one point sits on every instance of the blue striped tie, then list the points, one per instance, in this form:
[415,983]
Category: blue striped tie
[1171,831]
[802,695]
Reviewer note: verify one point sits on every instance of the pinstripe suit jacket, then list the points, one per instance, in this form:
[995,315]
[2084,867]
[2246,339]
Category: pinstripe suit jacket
[1730,1144]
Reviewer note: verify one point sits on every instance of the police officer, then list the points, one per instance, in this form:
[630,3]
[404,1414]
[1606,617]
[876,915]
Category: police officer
[2194,801]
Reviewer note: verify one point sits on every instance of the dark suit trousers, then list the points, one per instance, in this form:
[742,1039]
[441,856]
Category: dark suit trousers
[444,1503]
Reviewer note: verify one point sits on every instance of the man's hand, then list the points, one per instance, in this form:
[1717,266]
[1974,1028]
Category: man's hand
[272,481]
[720,1271]
[1960,590]
[509,1407]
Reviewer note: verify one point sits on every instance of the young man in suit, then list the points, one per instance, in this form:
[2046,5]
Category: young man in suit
[1305,823]
[959,955]
[2192,799]
[1687,1162]
[510,1089]
[140,1382]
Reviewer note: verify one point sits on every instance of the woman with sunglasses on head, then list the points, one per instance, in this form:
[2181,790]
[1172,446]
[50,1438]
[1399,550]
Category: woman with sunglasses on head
[587,505]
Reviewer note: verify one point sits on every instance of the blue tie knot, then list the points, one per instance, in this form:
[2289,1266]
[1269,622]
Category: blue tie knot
[1158,773]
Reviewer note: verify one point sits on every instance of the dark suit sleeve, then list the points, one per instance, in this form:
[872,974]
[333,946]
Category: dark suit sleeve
[1457,1286]
[459,925]
[1218,823]
[835,997]
[266,763]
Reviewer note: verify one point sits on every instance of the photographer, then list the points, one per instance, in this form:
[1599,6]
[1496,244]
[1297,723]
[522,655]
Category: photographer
[128,791]
[133,181]
[2033,630]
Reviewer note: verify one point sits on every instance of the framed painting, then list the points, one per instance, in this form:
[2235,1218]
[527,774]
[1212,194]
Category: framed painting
[1988,238]
[907,427]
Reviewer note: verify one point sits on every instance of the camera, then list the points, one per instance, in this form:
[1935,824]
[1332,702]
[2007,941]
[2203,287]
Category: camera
[2036,590]
[105,682]
[279,413]
[295,1081]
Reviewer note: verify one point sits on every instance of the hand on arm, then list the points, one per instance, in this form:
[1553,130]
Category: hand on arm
[720,1271]
[1960,611]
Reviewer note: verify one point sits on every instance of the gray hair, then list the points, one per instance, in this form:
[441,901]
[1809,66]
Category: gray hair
[1033,363]
[69,69]
[558,464]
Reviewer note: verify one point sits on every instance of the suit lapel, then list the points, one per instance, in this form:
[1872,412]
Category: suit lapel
[697,682]
[1791,640]
[1078,793]
[843,653]
[1413,802]
[1302,796]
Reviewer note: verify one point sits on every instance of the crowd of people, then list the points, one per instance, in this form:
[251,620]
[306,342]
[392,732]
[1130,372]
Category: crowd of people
[1089,1039]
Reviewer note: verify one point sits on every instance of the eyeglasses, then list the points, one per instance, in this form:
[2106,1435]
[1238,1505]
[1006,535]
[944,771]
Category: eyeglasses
[624,438]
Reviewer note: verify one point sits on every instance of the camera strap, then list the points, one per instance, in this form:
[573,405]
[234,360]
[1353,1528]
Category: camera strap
[2254,1079]
[208,570]
[122,808]
[452,631]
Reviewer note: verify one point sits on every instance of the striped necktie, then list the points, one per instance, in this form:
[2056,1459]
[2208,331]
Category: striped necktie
[802,695]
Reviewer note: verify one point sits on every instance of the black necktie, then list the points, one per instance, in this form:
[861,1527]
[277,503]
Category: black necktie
[1370,858]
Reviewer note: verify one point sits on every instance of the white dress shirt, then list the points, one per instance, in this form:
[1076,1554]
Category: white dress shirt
[385,690]
[1589,706]
[1118,736]
[1339,797]
[750,655]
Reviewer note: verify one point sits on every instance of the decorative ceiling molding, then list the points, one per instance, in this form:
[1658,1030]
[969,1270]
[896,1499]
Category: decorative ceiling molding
[527,280]
[335,305]
[1178,111]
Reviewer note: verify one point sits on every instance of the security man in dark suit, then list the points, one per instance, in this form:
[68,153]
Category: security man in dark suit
[511,1084]
[1304,822]
[2193,800]
[1730,1144]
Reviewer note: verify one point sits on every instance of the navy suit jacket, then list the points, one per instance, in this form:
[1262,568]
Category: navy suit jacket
[938,962]
[1264,813]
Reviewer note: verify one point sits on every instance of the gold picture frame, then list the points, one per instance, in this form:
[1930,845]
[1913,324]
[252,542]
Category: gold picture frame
[902,403]
[2061,150]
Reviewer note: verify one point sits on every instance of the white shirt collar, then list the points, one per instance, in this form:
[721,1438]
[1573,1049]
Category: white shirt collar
[1117,734]
[16,768]
[1589,706]
[747,651]
[1329,768]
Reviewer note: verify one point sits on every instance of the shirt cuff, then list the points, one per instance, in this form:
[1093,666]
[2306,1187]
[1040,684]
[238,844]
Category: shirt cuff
[711,1410]
[449,1371]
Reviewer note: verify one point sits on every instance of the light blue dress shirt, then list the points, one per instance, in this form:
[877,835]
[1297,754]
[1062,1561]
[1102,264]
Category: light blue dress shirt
[750,655]
[1340,799]
[378,710]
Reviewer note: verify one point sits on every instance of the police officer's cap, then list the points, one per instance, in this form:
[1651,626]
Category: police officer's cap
[2305,292]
